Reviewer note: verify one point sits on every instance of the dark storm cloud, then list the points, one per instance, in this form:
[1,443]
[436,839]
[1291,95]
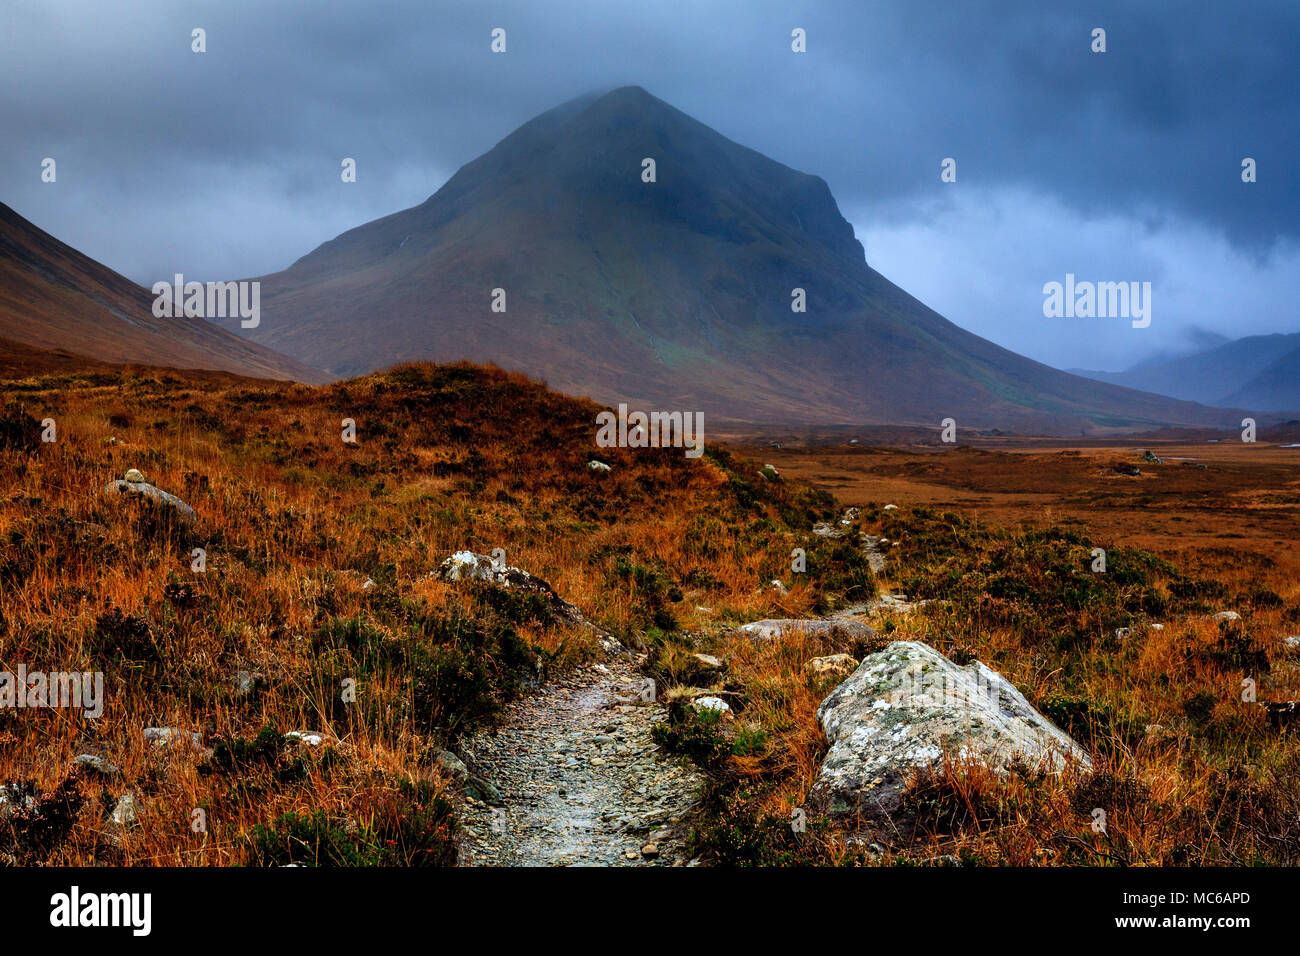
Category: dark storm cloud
[227,163]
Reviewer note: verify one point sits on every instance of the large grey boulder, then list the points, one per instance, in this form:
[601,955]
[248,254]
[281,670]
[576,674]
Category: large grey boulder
[908,705]
[135,484]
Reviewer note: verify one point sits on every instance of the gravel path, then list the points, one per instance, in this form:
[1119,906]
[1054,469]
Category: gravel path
[581,781]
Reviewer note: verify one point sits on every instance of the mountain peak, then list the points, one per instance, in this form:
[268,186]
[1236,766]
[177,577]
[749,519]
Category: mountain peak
[590,153]
[618,248]
[630,96]
[629,93]
[596,146]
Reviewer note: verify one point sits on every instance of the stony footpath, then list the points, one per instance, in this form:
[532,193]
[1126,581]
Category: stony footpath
[580,781]
[572,775]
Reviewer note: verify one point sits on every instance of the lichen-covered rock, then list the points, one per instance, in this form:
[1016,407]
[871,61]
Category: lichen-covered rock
[167,736]
[449,762]
[908,705]
[772,629]
[15,798]
[97,764]
[475,786]
[305,738]
[833,665]
[154,494]
[124,814]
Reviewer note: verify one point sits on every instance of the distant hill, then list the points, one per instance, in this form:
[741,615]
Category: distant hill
[1260,372]
[53,298]
[1275,388]
[674,294]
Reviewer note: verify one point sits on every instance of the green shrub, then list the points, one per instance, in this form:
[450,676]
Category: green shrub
[410,827]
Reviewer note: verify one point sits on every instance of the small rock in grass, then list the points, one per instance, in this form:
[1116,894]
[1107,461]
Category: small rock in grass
[124,812]
[97,764]
[832,665]
[711,703]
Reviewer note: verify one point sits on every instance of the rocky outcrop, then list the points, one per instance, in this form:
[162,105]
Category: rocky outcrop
[468,566]
[175,736]
[907,706]
[96,764]
[713,704]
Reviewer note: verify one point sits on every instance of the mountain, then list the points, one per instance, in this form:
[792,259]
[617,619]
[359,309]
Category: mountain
[1276,387]
[674,294]
[1258,371]
[1192,340]
[53,299]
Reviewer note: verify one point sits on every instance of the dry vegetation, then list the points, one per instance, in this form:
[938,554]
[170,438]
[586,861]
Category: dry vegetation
[665,552]
[294,522]
[1186,771]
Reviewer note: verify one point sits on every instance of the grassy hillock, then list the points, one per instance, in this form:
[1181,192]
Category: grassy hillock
[317,579]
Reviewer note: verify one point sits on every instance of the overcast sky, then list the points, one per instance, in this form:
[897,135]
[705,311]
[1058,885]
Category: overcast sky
[1115,166]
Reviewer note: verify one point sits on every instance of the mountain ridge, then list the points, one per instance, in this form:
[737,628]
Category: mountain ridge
[55,298]
[673,292]
[1256,371]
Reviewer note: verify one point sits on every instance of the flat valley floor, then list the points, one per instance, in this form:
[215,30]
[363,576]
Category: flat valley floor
[1246,498]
